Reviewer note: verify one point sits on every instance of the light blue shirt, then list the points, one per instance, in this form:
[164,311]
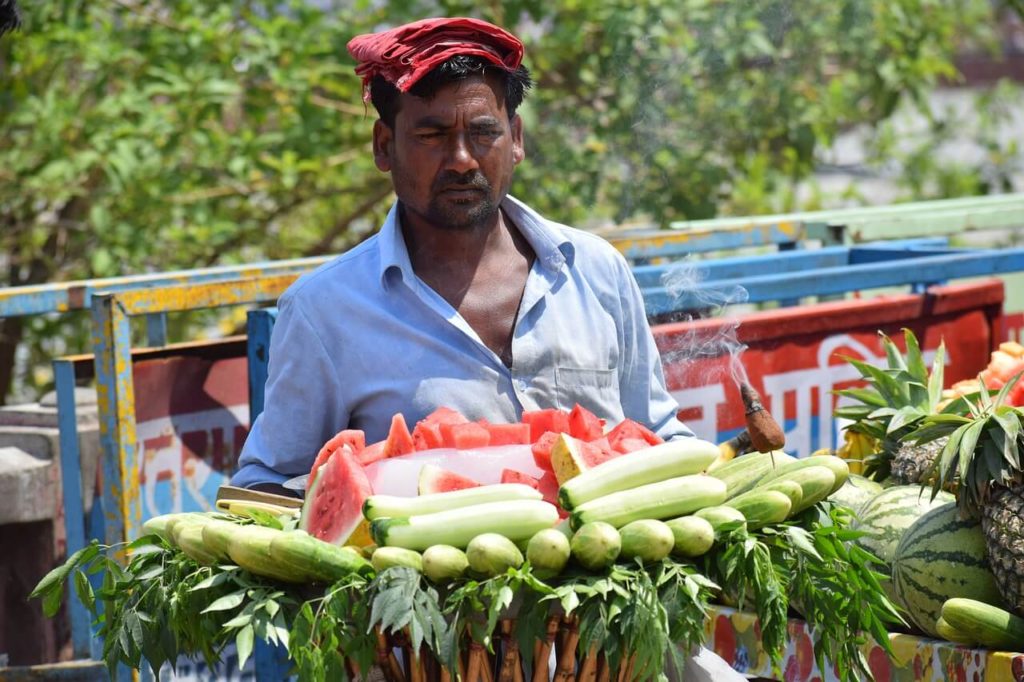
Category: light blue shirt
[363,338]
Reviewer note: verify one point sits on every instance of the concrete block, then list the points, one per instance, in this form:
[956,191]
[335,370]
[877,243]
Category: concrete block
[29,491]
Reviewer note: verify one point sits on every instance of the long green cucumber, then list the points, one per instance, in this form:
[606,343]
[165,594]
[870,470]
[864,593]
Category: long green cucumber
[951,634]
[988,625]
[675,458]
[837,465]
[790,489]
[762,507]
[663,500]
[384,506]
[301,552]
[217,535]
[816,483]
[190,540]
[388,557]
[744,472]
[721,515]
[249,547]
[515,519]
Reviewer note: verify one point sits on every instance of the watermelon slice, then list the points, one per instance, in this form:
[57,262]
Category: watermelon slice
[354,439]
[542,449]
[571,456]
[333,508]
[434,479]
[427,434]
[627,445]
[372,453]
[399,440]
[549,489]
[542,421]
[628,429]
[513,476]
[584,424]
[465,436]
[507,434]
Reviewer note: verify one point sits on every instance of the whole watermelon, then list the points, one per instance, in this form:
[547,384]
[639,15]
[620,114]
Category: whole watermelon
[855,492]
[941,556]
[885,517]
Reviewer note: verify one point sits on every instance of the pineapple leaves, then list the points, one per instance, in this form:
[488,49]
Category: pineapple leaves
[949,453]
[892,353]
[935,382]
[1001,396]
[902,417]
[1007,429]
[890,389]
[864,395]
[915,360]
[967,445]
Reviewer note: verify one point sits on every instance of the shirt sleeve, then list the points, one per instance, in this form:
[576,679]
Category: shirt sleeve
[303,405]
[644,395]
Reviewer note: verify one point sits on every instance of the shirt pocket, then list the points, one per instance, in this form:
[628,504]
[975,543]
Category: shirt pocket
[586,386]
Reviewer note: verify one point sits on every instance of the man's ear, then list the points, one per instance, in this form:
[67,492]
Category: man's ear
[383,138]
[518,149]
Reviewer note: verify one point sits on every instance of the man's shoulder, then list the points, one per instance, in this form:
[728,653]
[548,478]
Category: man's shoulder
[589,249]
[354,270]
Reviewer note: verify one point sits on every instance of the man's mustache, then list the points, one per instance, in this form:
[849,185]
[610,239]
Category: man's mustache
[452,180]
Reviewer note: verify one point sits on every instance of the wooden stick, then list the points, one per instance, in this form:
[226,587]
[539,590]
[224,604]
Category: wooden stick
[387,661]
[588,670]
[542,650]
[509,653]
[603,671]
[566,668]
[475,663]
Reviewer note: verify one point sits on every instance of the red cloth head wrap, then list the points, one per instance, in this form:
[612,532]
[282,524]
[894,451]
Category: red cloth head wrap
[406,53]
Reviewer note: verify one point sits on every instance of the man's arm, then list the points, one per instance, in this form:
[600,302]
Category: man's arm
[304,404]
[643,392]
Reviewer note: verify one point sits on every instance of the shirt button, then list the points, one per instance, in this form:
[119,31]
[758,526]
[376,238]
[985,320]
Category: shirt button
[520,385]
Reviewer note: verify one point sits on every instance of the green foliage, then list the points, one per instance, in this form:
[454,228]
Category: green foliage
[984,447]
[897,398]
[140,137]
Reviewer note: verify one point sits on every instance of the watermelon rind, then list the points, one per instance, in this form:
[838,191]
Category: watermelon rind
[333,508]
[941,556]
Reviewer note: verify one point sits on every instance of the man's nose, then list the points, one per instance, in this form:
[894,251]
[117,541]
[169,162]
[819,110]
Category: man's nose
[460,153]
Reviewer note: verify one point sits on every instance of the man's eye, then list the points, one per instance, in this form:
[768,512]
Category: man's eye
[428,136]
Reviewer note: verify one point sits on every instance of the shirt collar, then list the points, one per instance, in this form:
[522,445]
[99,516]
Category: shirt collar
[552,247]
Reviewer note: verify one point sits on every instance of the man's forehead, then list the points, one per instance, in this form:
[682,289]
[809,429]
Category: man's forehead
[482,95]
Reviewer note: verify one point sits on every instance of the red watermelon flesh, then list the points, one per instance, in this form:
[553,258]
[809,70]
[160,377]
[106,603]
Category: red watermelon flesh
[333,508]
[372,453]
[542,421]
[399,440]
[427,436]
[513,476]
[628,429]
[542,450]
[584,424]
[507,434]
[353,438]
[445,415]
[596,453]
[627,445]
[434,479]
[548,487]
[465,436]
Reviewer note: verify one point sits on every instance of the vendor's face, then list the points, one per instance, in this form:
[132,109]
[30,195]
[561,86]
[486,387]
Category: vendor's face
[451,157]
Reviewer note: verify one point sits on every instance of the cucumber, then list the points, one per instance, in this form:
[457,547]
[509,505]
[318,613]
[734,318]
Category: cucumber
[816,483]
[951,634]
[692,536]
[838,466]
[596,545]
[249,547]
[303,553]
[159,525]
[722,518]
[790,489]
[658,463]
[762,507]
[383,506]
[179,521]
[515,519]
[388,557]
[663,500]
[492,554]
[988,625]
[548,552]
[190,540]
[744,472]
[646,539]
[444,563]
[217,534]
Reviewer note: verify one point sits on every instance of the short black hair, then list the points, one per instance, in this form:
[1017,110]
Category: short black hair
[384,95]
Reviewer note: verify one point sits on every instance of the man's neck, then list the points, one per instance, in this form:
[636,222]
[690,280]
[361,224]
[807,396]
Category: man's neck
[457,250]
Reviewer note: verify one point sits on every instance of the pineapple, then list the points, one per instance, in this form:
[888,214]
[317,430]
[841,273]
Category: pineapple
[983,452]
[897,398]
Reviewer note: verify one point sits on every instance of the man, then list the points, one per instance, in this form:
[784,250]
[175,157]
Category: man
[467,297]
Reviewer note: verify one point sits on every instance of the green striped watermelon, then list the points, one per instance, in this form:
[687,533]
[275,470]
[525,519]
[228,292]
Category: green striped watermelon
[886,516]
[855,492]
[941,556]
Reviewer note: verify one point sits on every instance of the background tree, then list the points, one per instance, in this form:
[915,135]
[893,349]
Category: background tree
[145,136]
